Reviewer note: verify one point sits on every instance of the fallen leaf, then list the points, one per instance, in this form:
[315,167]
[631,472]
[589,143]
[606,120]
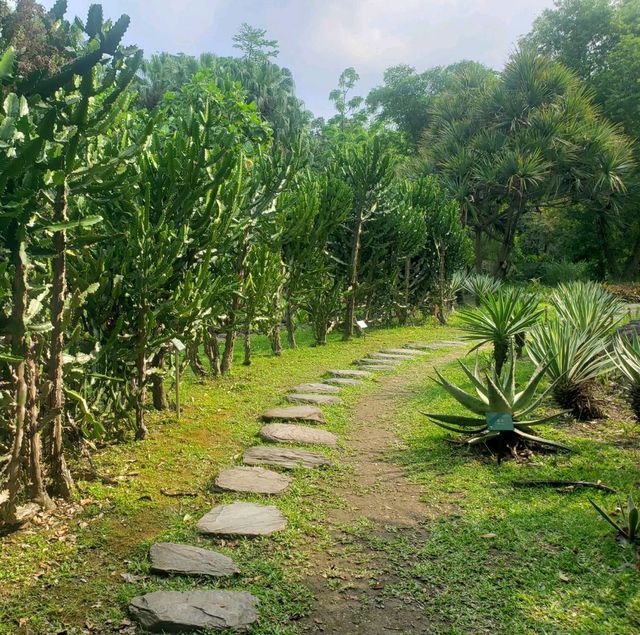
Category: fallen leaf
[488,536]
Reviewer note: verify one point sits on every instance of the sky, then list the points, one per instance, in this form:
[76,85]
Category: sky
[320,38]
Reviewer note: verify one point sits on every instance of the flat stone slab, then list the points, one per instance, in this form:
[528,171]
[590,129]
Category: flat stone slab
[287,433]
[287,458]
[251,480]
[315,399]
[168,557]
[420,346]
[295,413]
[389,356]
[189,611]
[381,367]
[343,381]
[316,387]
[403,351]
[351,374]
[242,519]
[375,362]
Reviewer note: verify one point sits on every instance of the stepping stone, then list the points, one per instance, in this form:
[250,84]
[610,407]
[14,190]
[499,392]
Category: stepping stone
[389,357]
[168,557]
[402,351]
[242,519]
[294,413]
[316,399]
[189,611]
[381,367]
[350,374]
[287,433]
[286,458]
[375,362]
[251,480]
[317,387]
[420,346]
[343,381]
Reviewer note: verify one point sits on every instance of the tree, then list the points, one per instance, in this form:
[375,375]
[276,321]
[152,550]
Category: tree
[367,169]
[254,45]
[347,107]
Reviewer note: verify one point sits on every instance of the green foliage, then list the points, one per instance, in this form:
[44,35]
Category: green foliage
[496,395]
[503,315]
[481,284]
[626,357]
[253,43]
[628,527]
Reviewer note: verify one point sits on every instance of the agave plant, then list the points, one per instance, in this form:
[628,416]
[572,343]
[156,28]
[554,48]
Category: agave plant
[504,314]
[576,359]
[626,357]
[480,284]
[587,307]
[501,412]
[628,527]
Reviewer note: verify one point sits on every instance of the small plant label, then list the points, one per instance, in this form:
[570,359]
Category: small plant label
[499,421]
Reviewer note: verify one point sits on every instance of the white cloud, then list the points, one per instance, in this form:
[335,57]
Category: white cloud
[319,38]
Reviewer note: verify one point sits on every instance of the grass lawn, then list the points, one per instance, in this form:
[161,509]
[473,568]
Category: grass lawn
[512,560]
[67,574]
[495,559]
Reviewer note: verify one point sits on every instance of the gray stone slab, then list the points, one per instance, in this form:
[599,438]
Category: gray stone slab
[365,363]
[403,351]
[288,433]
[318,400]
[420,346]
[287,458]
[390,357]
[381,367]
[295,413]
[242,519]
[189,611]
[317,388]
[343,381]
[251,480]
[168,557]
[351,374]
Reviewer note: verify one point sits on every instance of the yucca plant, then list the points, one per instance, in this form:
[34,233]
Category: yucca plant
[628,527]
[480,284]
[502,413]
[576,359]
[626,357]
[587,307]
[503,315]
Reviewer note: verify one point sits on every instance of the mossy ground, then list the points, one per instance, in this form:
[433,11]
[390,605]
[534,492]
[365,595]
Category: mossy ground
[496,559]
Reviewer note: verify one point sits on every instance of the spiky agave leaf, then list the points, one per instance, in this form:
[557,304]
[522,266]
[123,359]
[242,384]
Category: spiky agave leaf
[626,357]
[587,307]
[470,402]
[532,437]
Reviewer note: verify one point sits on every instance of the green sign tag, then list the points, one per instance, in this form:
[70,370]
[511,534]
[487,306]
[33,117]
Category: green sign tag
[499,422]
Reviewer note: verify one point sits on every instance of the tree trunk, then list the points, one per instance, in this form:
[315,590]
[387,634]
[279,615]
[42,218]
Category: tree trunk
[158,392]
[291,327]
[230,339]
[404,314]
[213,351]
[194,360]
[478,251]
[632,266]
[38,492]
[19,348]
[274,336]
[61,480]
[352,291]
[247,346]
[508,242]
[141,379]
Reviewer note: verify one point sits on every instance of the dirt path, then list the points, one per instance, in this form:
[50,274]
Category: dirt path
[357,584]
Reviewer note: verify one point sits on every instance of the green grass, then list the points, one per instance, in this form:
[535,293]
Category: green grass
[502,559]
[553,565]
[57,578]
